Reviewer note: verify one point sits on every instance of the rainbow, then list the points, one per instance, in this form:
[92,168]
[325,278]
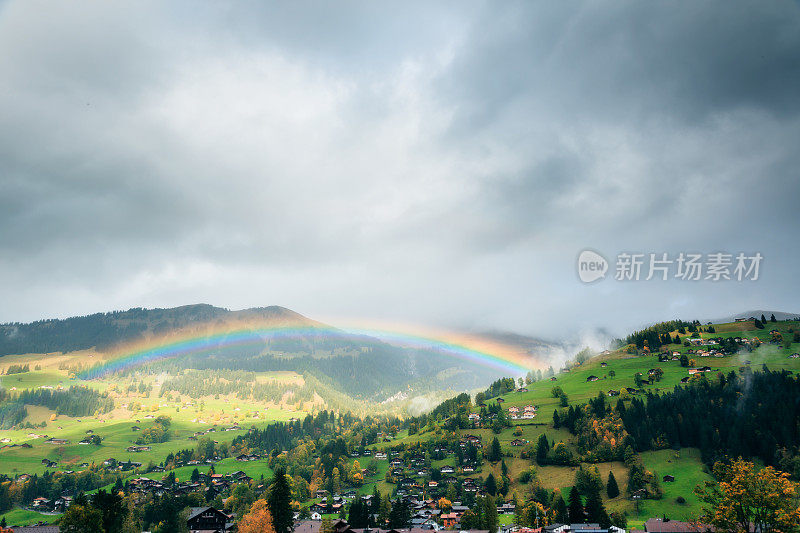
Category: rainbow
[461,347]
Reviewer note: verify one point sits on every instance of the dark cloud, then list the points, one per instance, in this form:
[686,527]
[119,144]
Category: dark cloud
[421,163]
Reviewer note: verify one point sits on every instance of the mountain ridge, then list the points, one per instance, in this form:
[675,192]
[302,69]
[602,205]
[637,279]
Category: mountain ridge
[358,365]
[104,330]
[779,315]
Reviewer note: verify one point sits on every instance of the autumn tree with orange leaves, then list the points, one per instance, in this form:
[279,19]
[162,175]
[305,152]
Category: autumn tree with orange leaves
[747,497]
[257,520]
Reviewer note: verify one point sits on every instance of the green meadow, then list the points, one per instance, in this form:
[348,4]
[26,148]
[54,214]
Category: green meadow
[24,517]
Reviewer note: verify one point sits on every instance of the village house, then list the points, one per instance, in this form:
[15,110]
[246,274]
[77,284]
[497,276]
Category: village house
[208,519]
[449,520]
[41,504]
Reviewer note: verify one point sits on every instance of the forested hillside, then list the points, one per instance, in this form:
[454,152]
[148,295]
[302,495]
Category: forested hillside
[104,330]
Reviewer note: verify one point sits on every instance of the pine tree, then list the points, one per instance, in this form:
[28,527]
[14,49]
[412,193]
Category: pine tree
[575,509]
[612,488]
[490,484]
[279,503]
[488,514]
[594,507]
[495,454]
[111,509]
[400,515]
[560,507]
[772,318]
[376,500]
[542,449]
[358,516]
[556,419]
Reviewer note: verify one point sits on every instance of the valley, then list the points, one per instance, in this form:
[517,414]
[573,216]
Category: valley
[178,420]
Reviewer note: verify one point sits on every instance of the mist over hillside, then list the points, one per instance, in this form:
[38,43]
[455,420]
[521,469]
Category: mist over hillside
[555,353]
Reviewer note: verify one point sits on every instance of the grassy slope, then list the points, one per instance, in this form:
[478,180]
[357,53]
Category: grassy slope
[686,466]
[24,517]
[187,414]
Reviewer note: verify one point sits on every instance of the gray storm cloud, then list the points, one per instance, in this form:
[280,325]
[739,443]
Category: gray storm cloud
[426,163]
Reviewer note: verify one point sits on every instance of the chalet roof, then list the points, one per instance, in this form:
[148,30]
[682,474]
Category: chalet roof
[197,511]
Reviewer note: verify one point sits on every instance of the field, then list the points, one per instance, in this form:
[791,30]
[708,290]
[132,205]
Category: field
[116,428]
[24,517]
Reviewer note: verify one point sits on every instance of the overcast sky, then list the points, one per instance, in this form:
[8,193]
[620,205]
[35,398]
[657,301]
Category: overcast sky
[442,164]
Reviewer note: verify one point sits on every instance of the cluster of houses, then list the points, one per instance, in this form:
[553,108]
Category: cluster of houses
[565,528]
[629,390]
[526,413]
[248,457]
[699,370]
[45,505]
[198,434]
[367,453]
[425,514]
[426,518]
[413,477]
[340,526]
[210,484]
[410,484]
